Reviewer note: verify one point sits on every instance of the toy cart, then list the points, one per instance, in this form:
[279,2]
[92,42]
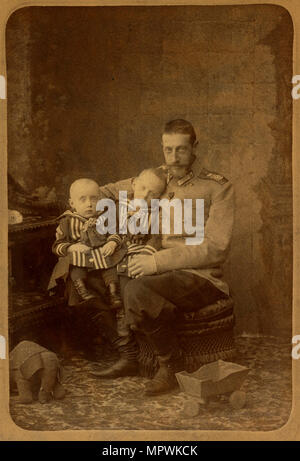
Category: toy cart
[216,378]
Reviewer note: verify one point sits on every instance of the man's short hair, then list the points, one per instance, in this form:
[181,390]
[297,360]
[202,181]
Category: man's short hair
[180,126]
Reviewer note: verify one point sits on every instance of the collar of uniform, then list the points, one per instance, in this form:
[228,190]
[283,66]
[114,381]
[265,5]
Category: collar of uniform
[185,178]
[169,177]
[182,180]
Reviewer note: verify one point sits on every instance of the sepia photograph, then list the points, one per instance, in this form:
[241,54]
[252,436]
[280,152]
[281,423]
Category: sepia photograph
[150,217]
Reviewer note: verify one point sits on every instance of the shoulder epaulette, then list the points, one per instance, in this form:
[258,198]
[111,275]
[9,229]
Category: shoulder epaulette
[206,174]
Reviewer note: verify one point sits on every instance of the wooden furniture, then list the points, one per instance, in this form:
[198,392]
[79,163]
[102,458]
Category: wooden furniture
[32,313]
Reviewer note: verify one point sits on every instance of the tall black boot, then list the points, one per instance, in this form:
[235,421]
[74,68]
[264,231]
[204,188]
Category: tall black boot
[165,344]
[123,340]
[126,365]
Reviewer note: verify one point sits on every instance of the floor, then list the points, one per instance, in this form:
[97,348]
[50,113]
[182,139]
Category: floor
[91,403]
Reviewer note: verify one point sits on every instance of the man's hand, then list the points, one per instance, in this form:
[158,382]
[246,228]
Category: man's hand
[109,248]
[140,265]
[81,247]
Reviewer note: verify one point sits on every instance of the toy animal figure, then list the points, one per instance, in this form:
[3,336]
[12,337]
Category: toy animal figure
[36,372]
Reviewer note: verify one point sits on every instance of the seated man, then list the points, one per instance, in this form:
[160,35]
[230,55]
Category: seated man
[180,276]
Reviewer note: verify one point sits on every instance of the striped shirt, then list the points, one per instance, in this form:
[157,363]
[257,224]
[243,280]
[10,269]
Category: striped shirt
[69,231]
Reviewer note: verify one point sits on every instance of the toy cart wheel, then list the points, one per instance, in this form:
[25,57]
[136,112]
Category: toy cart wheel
[237,399]
[192,407]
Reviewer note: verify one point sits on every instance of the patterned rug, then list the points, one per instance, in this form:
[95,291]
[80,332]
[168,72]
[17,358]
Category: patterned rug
[92,403]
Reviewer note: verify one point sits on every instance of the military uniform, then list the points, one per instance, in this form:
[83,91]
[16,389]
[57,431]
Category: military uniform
[188,276]
[204,260]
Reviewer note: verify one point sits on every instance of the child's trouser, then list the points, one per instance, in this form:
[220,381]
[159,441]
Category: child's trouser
[109,275]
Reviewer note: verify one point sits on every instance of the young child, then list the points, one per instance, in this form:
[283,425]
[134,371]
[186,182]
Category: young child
[150,184]
[77,242]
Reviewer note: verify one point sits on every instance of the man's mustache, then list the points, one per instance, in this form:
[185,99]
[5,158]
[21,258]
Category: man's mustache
[177,162]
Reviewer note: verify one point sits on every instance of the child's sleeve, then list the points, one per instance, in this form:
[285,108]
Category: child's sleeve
[115,238]
[62,242]
[154,242]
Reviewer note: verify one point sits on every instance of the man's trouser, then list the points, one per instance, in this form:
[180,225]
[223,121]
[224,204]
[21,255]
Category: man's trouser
[152,304]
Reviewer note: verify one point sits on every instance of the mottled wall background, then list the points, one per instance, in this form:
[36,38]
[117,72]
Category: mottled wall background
[89,89]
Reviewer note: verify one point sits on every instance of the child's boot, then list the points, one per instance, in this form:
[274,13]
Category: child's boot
[82,290]
[114,296]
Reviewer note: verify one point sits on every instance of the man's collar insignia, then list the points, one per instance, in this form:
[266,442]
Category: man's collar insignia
[185,179]
[169,177]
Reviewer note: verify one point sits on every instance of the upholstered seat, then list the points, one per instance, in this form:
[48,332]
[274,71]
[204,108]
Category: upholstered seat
[204,336]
